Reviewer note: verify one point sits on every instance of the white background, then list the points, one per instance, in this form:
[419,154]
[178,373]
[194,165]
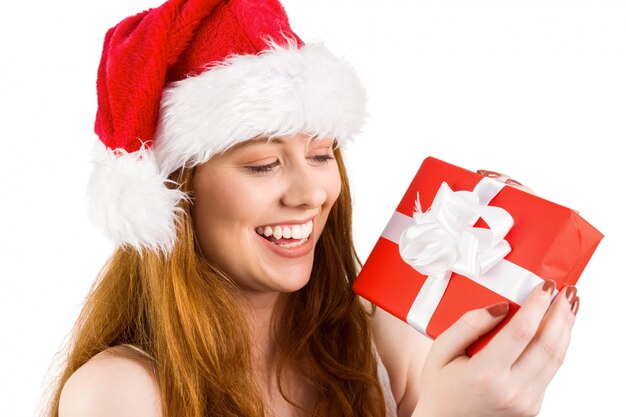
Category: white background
[534,89]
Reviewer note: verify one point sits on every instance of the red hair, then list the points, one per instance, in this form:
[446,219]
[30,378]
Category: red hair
[181,309]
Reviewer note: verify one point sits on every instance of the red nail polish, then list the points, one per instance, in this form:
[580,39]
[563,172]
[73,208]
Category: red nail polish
[499,309]
[570,293]
[549,286]
[575,305]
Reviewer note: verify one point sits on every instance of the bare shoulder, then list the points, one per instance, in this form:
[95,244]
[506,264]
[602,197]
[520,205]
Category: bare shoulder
[116,382]
[403,351]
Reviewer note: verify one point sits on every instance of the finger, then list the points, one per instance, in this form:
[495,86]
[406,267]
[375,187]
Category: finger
[518,185]
[506,346]
[546,352]
[490,174]
[505,179]
[546,375]
[452,343]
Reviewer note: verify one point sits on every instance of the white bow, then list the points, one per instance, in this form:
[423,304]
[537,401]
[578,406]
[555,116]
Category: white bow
[443,239]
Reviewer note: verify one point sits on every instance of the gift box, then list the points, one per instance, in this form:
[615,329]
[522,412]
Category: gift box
[459,241]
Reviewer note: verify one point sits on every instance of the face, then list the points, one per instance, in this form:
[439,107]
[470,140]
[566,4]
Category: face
[260,208]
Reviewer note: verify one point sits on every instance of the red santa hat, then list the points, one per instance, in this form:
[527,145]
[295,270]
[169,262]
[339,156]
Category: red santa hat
[185,81]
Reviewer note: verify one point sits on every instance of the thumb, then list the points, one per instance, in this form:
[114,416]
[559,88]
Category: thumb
[473,324]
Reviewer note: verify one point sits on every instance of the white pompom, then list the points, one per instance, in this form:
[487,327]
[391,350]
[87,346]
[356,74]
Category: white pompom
[128,198]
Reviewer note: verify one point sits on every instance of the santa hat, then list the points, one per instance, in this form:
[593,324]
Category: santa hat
[185,81]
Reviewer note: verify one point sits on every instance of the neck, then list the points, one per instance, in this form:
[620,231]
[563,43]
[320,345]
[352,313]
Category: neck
[258,309]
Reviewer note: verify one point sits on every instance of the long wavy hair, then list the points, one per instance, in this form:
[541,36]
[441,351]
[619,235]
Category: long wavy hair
[182,311]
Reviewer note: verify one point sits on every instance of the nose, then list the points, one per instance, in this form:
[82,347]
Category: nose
[305,188]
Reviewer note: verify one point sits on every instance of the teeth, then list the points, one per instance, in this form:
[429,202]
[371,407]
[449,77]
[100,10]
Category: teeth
[294,244]
[297,231]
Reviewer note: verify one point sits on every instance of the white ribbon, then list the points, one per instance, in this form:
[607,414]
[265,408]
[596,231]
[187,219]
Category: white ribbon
[442,240]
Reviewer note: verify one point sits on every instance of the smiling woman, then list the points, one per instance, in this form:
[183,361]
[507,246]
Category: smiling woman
[247,329]
[232,322]
[219,175]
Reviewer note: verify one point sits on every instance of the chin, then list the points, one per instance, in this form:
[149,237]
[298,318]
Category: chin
[293,279]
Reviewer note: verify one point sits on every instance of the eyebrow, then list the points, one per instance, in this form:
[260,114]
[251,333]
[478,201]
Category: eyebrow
[252,142]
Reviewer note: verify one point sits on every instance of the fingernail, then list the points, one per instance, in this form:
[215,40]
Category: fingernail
[575,304]
[549,286]
[487,173]
[513,182]
[499,309]
[570,293]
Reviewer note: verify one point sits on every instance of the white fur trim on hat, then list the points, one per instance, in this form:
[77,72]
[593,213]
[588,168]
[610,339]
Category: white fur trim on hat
[128,198]
[280,91]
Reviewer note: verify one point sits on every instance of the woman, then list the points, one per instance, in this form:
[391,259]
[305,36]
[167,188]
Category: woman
[221,179]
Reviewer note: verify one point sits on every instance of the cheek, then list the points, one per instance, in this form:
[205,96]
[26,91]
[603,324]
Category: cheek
[225,206]
[222,198]
[334,187]
[213,210]
[208,205]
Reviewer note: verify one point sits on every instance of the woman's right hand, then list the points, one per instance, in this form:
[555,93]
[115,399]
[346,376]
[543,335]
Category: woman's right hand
[508,377]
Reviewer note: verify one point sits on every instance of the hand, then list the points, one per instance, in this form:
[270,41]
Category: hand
[505,179]
[508,377]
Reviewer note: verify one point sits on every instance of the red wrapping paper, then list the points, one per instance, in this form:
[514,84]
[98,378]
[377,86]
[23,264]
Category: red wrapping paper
[552,241]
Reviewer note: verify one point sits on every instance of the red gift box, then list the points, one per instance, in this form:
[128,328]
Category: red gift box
[480,242]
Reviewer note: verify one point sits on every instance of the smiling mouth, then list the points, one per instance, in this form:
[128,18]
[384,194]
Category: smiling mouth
[287,236]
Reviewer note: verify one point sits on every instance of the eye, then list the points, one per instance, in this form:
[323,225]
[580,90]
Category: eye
[322,158]
[263,168]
